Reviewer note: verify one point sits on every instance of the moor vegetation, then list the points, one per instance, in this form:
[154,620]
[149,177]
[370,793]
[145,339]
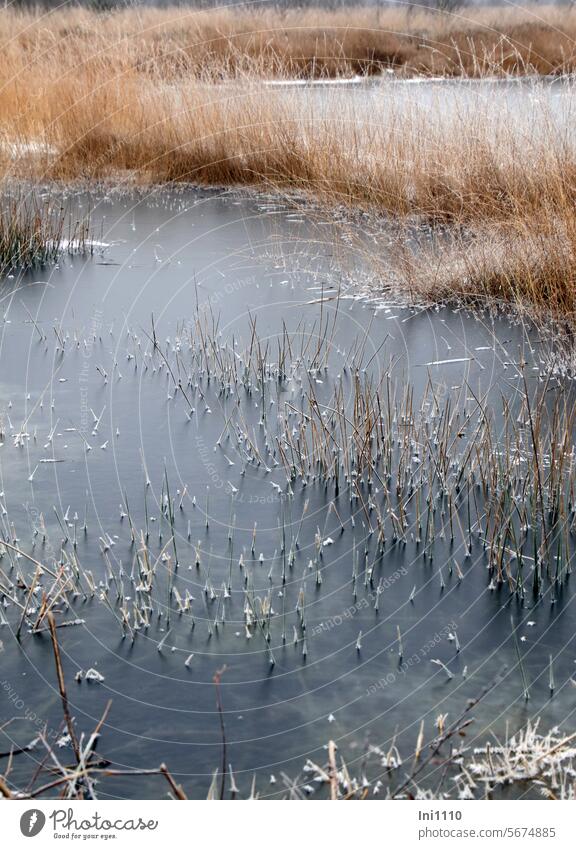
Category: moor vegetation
[165,96]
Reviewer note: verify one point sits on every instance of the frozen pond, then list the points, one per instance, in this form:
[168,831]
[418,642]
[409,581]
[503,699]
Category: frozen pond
[121,410]
[524,101]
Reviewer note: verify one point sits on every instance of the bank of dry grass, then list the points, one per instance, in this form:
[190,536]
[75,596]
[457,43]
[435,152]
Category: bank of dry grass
[460,165]
[529,263]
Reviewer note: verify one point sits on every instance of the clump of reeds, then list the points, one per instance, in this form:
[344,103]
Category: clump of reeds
[34,232]
[411,474]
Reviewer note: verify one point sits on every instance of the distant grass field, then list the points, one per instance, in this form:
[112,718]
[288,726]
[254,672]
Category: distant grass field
[212,43]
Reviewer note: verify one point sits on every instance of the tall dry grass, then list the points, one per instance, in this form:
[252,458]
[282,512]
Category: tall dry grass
[35,232]
[529,263]
[463,160]
[157,96]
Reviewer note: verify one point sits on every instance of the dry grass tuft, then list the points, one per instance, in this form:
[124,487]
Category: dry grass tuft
[529,262]
[34,232]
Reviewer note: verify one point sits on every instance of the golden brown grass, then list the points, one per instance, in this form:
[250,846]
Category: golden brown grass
[468,161]
[176,43]
[529,263]
[164,96]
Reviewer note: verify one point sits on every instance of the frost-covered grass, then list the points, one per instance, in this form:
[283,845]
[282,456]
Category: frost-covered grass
[529,764]
[33,232]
